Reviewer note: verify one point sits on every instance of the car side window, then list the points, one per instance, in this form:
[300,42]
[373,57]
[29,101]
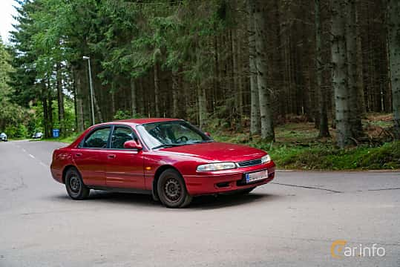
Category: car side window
[98,138]
[120,136]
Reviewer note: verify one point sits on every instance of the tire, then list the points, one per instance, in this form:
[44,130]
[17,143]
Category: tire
[172,191]
[76,189]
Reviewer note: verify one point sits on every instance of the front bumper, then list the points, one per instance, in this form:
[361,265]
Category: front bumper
[225,181]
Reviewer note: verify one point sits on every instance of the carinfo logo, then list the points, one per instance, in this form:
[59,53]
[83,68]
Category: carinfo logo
[340,250]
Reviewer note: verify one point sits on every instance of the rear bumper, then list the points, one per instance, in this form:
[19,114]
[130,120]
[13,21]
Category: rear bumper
[56,173]
[215,183]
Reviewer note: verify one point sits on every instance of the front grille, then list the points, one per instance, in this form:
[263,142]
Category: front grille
[249,163]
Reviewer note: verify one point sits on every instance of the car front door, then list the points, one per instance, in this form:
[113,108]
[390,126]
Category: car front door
[124,168]
[91,155]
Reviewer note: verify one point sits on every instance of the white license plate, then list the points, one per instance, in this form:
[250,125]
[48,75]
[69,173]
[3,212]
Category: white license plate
[256,176]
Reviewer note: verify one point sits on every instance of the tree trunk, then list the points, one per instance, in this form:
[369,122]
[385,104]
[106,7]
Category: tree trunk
[60,98]
[79,103]
[360,65]
[351,45]
[394,59]
[140,97]
[339,73]
[49,108]
[97,108]
[73,76]
[235,78]
[321,92]
[267,128]
[202,105]
[112,100]
[156,90]
[254,101]
[217,76]
[45,111]
[175,94]
[133,98]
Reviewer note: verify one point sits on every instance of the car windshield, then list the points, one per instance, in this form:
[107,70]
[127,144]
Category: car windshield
[171,133]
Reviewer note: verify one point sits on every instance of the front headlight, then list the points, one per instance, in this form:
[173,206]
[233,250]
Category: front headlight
[216,167]
[265,159]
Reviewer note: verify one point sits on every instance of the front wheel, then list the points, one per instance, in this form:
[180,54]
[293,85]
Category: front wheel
[172,191]
[76,189]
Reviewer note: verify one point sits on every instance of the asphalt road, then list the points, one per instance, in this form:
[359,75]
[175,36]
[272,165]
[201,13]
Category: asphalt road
[290,222]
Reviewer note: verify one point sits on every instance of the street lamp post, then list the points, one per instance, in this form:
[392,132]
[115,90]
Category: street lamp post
[91,87]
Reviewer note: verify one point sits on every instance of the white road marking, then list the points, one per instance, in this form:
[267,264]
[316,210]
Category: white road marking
[44,165]
[32,156]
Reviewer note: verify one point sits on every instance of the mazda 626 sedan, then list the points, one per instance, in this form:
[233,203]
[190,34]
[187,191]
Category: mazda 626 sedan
[168,158]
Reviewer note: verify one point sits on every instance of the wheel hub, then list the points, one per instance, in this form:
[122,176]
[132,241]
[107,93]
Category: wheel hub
[74,183]
[172,189]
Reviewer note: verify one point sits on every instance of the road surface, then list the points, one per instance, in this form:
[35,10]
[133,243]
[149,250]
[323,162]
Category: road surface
[290,222]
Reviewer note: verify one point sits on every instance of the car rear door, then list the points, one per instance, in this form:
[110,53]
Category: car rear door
[124,168]
[90,156]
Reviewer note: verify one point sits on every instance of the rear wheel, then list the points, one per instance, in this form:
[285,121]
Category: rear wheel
[76,189]
[172,191]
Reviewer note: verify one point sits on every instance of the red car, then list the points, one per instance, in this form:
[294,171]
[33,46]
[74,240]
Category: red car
[168,158]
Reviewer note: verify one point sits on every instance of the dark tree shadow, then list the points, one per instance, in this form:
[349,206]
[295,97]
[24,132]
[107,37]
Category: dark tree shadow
[224,201]
[199,203]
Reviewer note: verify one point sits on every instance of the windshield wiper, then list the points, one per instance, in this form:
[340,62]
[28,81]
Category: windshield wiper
[183,144]
[165,145]
[199,142]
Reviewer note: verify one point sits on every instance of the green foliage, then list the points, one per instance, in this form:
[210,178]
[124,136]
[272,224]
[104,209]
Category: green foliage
[125,115]
[326,157]
[125,40]
[66,139]
[17,131]
[316,155]
[122,115]
[12,116]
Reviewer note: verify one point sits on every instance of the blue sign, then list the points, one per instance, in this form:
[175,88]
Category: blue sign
[56,133]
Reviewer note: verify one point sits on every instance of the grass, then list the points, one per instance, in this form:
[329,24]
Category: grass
[67,139]
[330,158]
[297,147]
[325,156]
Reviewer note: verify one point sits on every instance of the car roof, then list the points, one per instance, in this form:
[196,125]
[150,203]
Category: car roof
[130,122]
[140,121]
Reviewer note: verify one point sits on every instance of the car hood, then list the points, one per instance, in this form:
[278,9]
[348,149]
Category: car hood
[216,151]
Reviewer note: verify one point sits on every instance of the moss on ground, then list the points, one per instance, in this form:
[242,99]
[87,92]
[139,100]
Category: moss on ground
[386,156]
[298,148]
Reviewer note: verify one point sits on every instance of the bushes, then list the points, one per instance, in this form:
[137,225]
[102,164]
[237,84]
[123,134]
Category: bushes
[125,115]
[16,131]
[384,157]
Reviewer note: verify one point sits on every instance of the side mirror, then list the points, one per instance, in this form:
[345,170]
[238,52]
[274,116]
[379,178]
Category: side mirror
[208,134]
[132,144]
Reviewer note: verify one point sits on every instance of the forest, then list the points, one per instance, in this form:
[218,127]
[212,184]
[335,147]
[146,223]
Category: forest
[245,70]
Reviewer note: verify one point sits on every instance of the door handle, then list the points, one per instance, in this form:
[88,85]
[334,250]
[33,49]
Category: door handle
[111,156]
[78,154]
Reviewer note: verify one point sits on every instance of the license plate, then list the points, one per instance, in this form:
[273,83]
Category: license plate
[256,176]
